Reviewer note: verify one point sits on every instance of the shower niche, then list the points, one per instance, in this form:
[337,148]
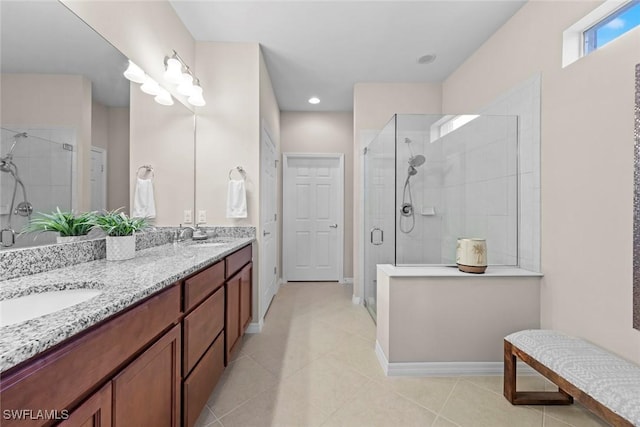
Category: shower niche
[430,179]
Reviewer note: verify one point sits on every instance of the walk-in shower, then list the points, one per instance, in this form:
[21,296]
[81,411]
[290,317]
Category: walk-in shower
[22,208]
[36,175]
[430,179]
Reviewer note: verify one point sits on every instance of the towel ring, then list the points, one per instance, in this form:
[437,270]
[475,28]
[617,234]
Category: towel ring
[147,169]
[240,171]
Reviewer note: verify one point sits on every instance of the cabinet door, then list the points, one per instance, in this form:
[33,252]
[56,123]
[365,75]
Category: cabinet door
[232,313]
[245,297]
[94,412]
[147,391]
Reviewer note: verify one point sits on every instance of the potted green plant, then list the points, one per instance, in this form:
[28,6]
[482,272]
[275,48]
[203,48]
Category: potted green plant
[69,225]
[120,229]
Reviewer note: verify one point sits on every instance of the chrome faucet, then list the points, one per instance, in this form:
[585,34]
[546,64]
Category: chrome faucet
[182,232]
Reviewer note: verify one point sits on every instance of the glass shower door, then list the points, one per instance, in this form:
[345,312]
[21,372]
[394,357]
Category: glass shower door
[379,214]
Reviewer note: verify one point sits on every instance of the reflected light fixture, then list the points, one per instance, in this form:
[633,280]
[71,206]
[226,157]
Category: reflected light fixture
[314,100]
[134,73]
[150,86]
[196,98]
[164,97]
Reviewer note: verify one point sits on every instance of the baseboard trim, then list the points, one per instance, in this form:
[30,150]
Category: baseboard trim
[356,300]
[346,281]
[254,327]
[444,369]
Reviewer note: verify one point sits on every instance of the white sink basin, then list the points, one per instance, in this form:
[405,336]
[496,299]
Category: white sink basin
[29,307]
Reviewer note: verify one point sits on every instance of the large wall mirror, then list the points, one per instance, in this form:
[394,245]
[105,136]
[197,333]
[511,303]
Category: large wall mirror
[70,136]
[636,211]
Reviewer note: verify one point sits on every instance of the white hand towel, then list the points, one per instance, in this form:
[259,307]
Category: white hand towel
[236,199]
[144,204]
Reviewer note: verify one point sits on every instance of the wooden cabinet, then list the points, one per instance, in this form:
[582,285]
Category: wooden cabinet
[245,296]
[94,412]
[155,364]
[147,391]
[238,308]
[63,377]
[201,381]
[201,327]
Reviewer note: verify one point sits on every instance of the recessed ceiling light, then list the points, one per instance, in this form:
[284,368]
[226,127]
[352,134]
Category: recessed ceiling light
[314,100]
[427,59]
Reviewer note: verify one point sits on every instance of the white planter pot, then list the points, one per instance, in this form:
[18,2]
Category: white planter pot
[121,248]
[471,255]
[69,239]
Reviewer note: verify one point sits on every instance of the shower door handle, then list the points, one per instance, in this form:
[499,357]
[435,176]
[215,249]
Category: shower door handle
[373,230]
[333,225]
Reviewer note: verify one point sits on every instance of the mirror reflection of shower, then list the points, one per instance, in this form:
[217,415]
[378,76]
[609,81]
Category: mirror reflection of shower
[407,210]
[23,208]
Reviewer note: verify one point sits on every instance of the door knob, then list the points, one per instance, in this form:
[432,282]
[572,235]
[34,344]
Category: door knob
[333,225]
[265,233]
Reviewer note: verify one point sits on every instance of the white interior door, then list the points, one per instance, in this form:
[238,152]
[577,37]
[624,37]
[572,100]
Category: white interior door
[313,217]
[98,179]
[268,221]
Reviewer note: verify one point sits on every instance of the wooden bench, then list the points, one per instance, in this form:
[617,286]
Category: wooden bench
[605,384]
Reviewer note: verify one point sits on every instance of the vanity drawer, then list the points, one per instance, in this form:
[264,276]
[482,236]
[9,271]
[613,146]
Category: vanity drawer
[197,287]
[198,386]
[77,366]
[201,326]
[237,260]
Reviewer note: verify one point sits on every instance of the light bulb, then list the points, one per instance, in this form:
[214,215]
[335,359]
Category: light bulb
[186,87]
[314,100]
[173,74]
[164,97]
[196,98]
[150,86]
[134,73]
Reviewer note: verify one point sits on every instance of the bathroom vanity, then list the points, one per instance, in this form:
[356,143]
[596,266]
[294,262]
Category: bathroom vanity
[147,351]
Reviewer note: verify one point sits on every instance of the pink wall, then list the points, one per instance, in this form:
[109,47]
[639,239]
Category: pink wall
[587,164]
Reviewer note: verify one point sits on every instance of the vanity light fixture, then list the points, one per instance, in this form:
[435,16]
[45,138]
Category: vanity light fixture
[173,74]
[177,72]
[134,73]
[186,87]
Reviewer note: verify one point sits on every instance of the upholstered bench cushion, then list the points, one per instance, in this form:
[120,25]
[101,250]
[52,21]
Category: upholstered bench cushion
[612,381]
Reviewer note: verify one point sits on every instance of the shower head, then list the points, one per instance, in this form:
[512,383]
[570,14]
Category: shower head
[9,156]
[417,160]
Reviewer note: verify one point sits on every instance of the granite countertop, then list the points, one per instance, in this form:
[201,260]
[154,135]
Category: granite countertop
[122,283]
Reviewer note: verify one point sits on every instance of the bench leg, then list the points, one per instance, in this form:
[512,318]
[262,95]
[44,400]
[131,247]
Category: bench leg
[511,354]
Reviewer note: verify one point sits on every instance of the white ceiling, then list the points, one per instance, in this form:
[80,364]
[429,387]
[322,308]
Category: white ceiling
[46,37]
[322,48]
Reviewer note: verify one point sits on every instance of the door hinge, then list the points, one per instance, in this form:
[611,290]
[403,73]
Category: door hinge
[275,270]
[101,168]
[275,216]
[275,163]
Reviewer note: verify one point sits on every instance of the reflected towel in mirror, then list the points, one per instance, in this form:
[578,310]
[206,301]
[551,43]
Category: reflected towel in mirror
[144,204]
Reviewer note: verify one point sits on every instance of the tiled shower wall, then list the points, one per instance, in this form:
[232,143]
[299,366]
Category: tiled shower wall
[46,170]
[524,101]
[479,187]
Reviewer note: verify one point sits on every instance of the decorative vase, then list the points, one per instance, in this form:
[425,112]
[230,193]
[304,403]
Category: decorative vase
[471,255]
[70,239]
[121,247]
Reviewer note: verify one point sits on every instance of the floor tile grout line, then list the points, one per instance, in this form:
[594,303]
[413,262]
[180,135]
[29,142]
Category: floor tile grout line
[444,405]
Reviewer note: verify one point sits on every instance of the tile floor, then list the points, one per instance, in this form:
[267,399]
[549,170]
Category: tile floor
[314,365]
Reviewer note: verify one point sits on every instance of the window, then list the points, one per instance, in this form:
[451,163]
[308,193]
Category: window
[448,124]
[613,26]
[605,23]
